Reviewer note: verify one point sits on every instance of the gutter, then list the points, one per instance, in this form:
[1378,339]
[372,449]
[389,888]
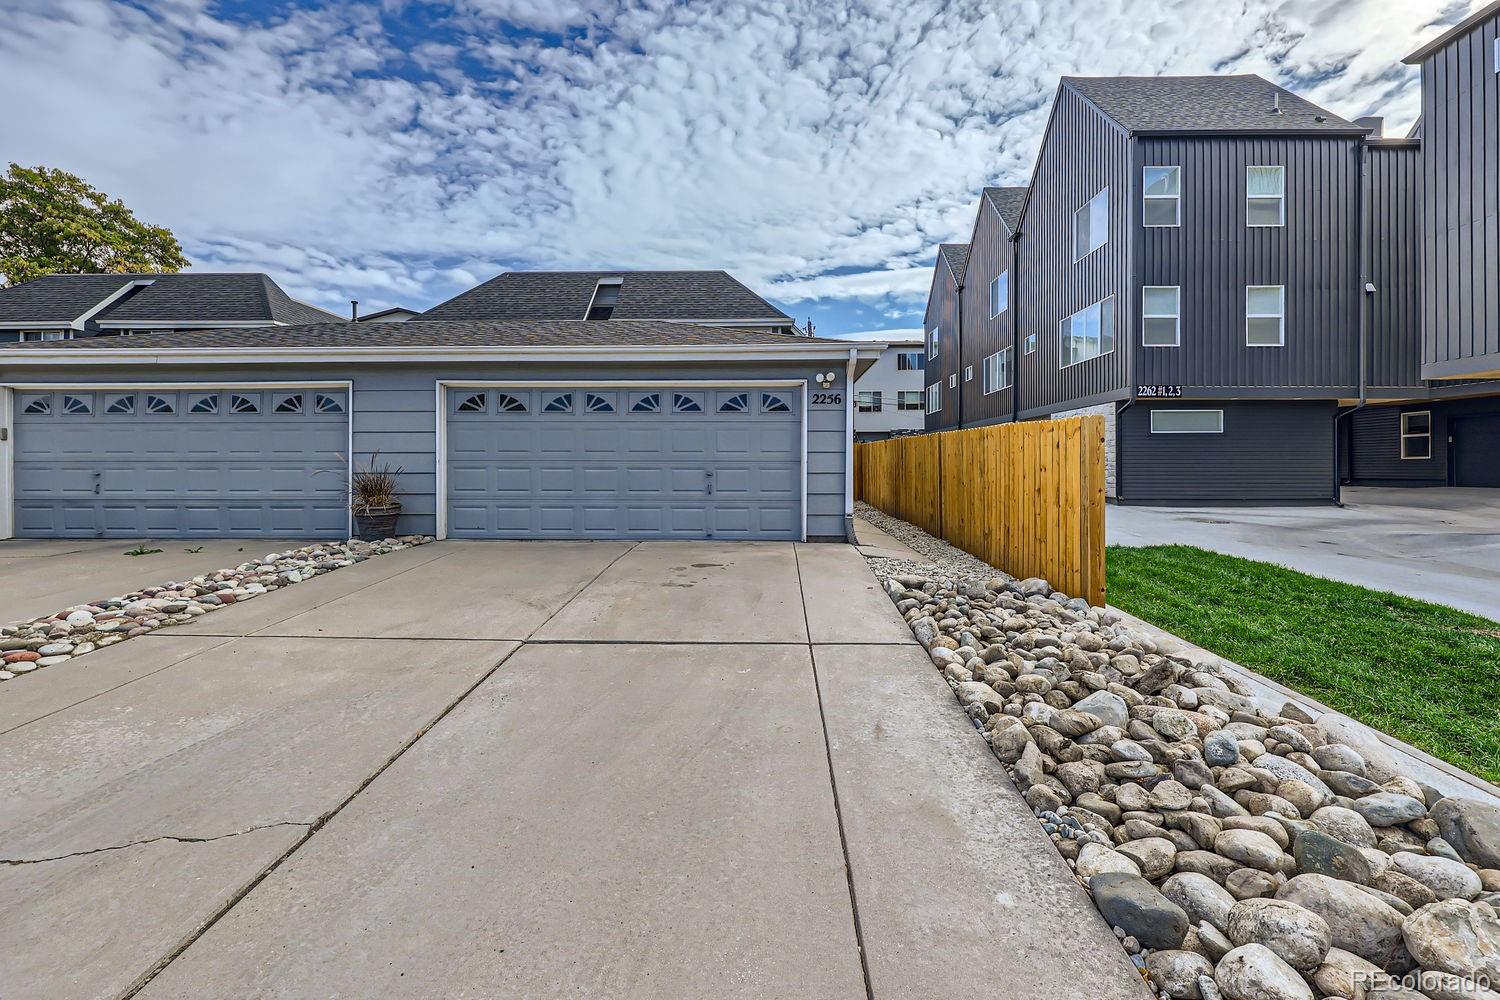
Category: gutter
[437,353]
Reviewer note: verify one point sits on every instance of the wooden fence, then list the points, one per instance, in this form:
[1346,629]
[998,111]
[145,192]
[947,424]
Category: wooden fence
[1027,498]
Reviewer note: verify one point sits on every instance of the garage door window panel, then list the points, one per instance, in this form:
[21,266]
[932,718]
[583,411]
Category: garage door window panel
[645,402]
[247,404]
[687,402]
[203,403]
[328,402]
[559,402]
[599,402]
[36,405]
[506,402]
[286,402]
[119,403]
[79,406]
[772,402]
[475,402]
[161,405]
[737,402]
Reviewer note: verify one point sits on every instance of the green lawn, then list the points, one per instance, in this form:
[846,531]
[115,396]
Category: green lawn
[1424,673]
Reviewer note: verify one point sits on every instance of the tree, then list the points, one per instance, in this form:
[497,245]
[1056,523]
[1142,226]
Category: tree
[53,222]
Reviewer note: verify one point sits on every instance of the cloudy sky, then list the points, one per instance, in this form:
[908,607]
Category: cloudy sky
[397,151]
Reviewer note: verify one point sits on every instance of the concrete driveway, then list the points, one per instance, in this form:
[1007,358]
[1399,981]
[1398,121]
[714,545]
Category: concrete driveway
[1437,544]
[529,770]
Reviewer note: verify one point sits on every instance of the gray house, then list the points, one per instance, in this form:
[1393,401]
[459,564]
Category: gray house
[516,428]
[888,398]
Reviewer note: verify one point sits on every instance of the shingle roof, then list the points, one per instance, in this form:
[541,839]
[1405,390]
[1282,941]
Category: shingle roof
[676,295]
[57,298]
[1463,27]
[957,256]
[181,298]
[1008,201]
[419,333]
[1242,103]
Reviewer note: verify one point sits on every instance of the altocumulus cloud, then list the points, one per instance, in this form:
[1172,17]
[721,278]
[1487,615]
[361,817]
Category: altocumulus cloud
[398,151]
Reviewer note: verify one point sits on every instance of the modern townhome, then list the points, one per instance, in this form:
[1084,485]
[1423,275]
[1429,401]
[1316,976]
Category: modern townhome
[942,321]
[1215,264]
[64,306]
[888,398]
[503,428]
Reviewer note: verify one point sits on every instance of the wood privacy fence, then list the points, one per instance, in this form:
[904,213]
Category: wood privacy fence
[1027,498]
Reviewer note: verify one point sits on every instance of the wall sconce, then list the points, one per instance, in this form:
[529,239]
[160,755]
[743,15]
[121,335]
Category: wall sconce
[825,379]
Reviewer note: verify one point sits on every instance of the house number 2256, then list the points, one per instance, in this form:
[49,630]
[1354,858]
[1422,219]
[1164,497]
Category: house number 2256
[828,399]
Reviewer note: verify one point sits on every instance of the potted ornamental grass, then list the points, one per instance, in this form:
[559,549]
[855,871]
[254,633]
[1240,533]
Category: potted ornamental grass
[373,499]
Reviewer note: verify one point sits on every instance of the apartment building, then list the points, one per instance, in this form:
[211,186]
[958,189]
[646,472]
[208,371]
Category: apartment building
[888,397]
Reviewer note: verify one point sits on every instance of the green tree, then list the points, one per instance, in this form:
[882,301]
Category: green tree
[53,222]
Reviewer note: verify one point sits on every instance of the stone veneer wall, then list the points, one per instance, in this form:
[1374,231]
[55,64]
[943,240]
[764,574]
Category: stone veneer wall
[1107,411]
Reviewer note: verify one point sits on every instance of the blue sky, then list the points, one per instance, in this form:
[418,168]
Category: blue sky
[397,152]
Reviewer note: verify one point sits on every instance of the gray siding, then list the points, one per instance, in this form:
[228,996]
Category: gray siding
[393,413]
[1461,207]
[1271,451]
[1375,449]
[1083,153]
[1393,252]
[1214,254]
[943,311]
[990,253]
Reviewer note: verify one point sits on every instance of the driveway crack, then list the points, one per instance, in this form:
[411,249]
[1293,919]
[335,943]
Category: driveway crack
[151,840]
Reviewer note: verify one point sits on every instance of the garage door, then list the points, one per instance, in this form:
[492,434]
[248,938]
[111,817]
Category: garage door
[160,463]
[1476,450]
[582,462]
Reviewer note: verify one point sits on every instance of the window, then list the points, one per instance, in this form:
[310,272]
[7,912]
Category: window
[289,403]
[1088,333]
[1265,196]
[1416,434]
[909,361]
[968,373]
[1161,197]
[595,403]
[909,399]
[772,403]
[932,342]
[1091,226]
[506,403]
[325,403]
[649,403]
[738,403]
[868,402]
[203,403]
[606,297]
[473,404]
[160,404]
[38,405]
[934,397]
[687,402]
[560,403]
[250,404]
[32,336]
[1187,421]
[1000,294]
[953,381]
[1265,315]
[1029,345]
[997,371]
[77,404]
[1161,315]
[119,404]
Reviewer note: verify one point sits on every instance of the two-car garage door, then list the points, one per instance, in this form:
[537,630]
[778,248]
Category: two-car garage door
[168,462]
[582,461]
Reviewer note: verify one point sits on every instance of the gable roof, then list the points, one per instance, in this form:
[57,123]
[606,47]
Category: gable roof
[57,298]
[711,296]
[1008,202]
[192,297]
[1463,27]
[1240,103]
[957,257]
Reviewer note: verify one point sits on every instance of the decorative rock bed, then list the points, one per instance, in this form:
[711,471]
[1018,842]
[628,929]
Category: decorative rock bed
[46,642]
[1236,854]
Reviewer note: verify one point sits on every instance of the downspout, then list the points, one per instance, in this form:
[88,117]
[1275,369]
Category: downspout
[1015,328]
[1362,333]
[958,312]
[848,448]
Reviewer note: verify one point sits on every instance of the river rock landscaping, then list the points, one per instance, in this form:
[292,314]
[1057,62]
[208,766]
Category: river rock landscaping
[77,631]
[1236,853]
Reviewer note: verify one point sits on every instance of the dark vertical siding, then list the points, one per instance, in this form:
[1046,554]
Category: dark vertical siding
[1461,206]
[1393,242]
[942,309]
[1271,451]
[990,252]
[1083,152]
[1375,448]
[1214,254]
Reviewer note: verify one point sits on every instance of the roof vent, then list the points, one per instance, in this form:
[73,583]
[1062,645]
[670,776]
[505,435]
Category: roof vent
[1375,123]
[1276,103]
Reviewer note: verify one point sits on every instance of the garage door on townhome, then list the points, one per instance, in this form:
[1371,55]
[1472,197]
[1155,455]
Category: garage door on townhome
[582,461]
[165,462]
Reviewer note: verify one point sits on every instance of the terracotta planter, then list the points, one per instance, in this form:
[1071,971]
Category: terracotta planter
[375,523]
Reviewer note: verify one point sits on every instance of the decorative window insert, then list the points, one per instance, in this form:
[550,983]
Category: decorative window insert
[290,402]
[934,397]
[36,405]
[203,402]
[119,403]
[932,342]
[1030,344]
[770,402]
[687,402]
[1265,196]
[1088,333]
[506,403]
[868,402]
[473,403]
[997,371]
[162,405]
[649,402]
[251,404]
[910,361]
[560,402]
[593,402]
[738,403]
[79,405]
[909,399]
[999,294]
[1161,197]
[1187,421]
[1161,315]
[327,402]
[1416,435]
[1091,226]
[1265,315]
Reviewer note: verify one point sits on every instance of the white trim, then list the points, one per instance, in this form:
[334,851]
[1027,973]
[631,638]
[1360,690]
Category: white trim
[195,324]
[1402,435]
[1005,299]
[1114,340]
[1280,199]
[414,355]
[1175,199]
[1281,316]
[50,324]
[110,299]
[1086,207]
[1176,317]
[7,466]
[848,445]
[985,387]
[1155,413]
[634,383]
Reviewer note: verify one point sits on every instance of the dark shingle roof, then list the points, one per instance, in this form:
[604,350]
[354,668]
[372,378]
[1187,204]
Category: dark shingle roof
[1008,201]
[677,295]
[57,298]
[1240,103]
[957,256]
[419,333]
[1463,27]
[181,298]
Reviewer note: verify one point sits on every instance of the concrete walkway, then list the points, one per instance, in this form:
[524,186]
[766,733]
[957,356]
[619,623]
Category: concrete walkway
[516,769]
